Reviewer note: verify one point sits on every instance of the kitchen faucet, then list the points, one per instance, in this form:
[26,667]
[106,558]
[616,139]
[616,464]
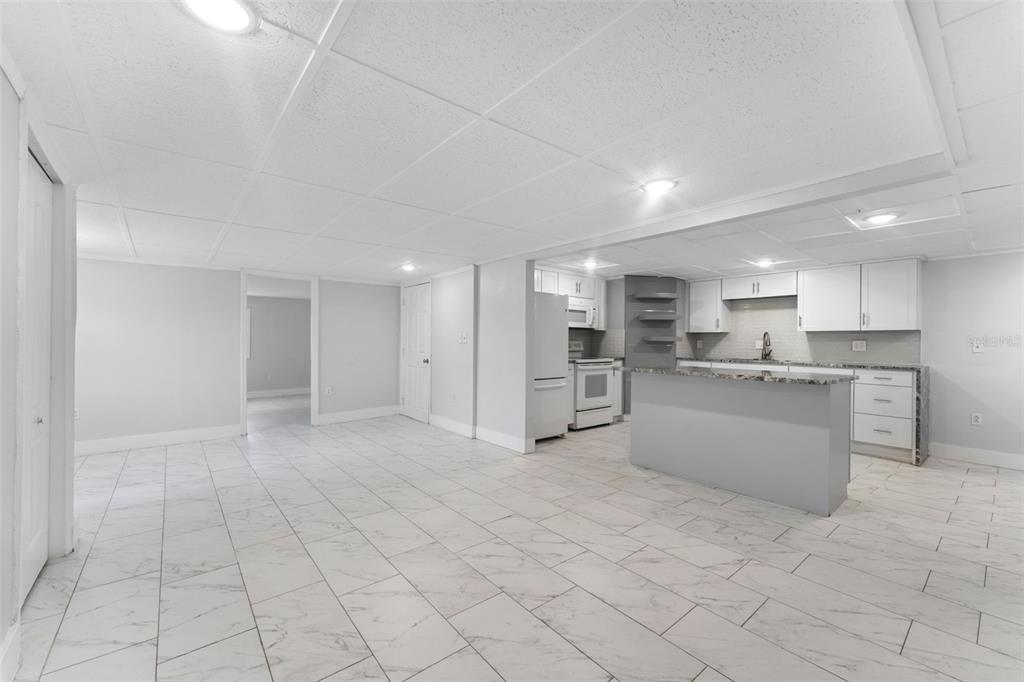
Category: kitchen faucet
[766,347]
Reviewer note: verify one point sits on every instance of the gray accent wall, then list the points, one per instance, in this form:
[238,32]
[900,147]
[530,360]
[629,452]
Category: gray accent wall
[453,366]
[751,318]
[966,299]
[158,349]
[278,343]
[359,346]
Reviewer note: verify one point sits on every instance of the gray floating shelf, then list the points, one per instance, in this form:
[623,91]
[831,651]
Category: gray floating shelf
[659,339]
[657,296]
[653,316]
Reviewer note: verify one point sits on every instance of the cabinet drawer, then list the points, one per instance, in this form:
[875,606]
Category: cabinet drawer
[693,363]
[749,367]
[891,431]
[888,401]
[884,377]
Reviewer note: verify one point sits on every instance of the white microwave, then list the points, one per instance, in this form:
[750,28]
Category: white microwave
[582,312]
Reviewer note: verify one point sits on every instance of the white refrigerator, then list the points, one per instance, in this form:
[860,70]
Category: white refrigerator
[552,398]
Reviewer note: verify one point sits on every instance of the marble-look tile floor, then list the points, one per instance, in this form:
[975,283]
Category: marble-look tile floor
[391,550]
[267,413]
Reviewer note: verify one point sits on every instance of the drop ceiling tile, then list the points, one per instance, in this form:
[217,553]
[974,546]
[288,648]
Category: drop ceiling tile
[825,241]
[357,128]
[1009,198]
[283,204]
[159,79]
[27,32]
[917,229]
[975,176]
[374,221]
[160,229]
[1005,235]
[954,10]
[664,57]
[806,230]
[564,189]
[256,241]
[993,132]
[98,230]
[246,261]
[779,221]
[505,243]
[77,151]
[479,162]
[976,44]
[490,48]
[171,254]
[612,215]
[450,233]
[903,195]
[324,250]
[750,246]
[386,262]
[307,18]
[154,180]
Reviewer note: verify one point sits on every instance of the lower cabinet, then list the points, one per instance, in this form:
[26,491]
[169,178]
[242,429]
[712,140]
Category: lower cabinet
[885,409]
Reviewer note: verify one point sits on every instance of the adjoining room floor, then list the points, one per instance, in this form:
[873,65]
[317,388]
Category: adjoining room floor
[266,413]
[391,547]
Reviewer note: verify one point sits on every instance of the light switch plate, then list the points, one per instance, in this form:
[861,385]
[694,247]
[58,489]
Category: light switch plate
[859,345]
[758,345]
[977,346]
[977,419]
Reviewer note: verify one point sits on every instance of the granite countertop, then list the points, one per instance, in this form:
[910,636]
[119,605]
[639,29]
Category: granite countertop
[813,363]
[747,375]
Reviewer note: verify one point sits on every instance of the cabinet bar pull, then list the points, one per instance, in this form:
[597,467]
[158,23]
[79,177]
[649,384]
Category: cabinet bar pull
[884,378]
[758,287]
[881,400]
[863,319]
[752,285]
[882,431]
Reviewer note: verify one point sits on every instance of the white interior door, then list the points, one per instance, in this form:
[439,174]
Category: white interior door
[416,351]
[34,374]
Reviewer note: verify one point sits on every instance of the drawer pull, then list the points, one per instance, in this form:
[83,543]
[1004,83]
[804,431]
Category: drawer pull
[882,431]
[884,378]
[881,400]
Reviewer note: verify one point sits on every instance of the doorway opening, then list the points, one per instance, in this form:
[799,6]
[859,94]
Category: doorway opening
[278,367]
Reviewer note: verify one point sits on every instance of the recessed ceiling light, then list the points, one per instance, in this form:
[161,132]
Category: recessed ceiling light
[230,16]
[764,263]
[408,267]
[881,218]
[590,264]
[656,188]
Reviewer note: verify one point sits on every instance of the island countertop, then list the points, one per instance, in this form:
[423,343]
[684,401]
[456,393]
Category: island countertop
[748,375]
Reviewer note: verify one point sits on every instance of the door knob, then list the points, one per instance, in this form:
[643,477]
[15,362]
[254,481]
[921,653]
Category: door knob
[39,420]
[426,361]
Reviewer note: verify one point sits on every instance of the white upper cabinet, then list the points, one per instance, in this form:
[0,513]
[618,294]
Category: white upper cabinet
[575,285]
[548,282]
[759,286]
[889,295]
[708,312]
[828,300]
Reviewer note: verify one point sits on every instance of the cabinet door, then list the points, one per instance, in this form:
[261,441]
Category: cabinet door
[775,284]
[549,282]
[889,295]
[616,389]
[587,287]
[537,286]
[568,285]
[739,287]
[707,314]
[828,300]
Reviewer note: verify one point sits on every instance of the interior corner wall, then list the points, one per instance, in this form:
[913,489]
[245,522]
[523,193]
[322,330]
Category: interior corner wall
[358,351]
[967,299]
[452,361]
[157,354]
[504,354]
[279,348]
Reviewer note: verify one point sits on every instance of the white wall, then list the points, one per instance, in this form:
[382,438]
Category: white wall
[278,287]
[504,357]
[453,364]
[278,345]
[359,341]
[158,353]
[969,298]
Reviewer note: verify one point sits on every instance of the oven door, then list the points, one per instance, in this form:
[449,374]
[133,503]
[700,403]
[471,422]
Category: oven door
[593,386]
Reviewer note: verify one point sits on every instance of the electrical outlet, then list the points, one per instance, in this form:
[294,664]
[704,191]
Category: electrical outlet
[758,345]
[329,390]
[977,419]
[977,346]
[700,343]
[859,345]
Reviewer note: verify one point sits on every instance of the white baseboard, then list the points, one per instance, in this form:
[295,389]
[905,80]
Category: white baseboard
[148,440]
[277,392]
[461,428]
[521,445]
[10,652]
[996,458]
[355,415]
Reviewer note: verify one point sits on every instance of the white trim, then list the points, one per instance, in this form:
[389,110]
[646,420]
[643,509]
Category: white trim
[146,440]
[514,443]
[996,458]
[461,428]
[10,652]
[12,72]
[245,329]
[314,351]
[278,392]
[356,415]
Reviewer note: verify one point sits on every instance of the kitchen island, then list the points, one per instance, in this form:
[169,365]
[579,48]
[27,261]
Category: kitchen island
[781,437]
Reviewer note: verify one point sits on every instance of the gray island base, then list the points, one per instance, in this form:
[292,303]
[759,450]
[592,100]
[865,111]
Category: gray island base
[784,438]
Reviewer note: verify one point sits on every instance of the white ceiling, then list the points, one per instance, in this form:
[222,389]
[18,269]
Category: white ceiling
[345,139]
